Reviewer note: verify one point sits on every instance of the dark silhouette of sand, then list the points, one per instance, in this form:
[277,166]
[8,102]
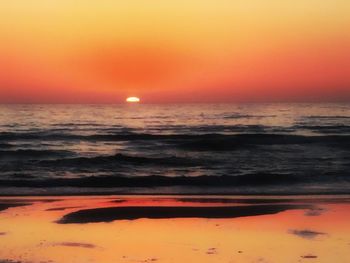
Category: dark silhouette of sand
[28,200]
[118,201]
[307,234]
[309,256]
[317,211]
[314,212]
[236,201]
[4,206]
[62,208]
[75,244]
[109,214]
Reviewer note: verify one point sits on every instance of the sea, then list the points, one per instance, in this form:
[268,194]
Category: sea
[241,149]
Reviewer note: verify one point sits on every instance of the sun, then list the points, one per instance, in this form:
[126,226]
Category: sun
[132,99]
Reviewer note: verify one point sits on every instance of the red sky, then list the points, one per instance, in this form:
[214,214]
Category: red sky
[88,51]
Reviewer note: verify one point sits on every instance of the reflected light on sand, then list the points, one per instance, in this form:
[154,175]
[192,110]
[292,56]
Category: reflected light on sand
[33,234]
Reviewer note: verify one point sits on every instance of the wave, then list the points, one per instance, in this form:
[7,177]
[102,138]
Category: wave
[5,145]
[33,154]
[323,117]
[239,141]
[331,129]
[200,142]
[250,180]
[15,136]
[243,116]
[124,133]
[118,159]
[196,132]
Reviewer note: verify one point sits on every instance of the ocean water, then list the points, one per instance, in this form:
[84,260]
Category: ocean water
[197,148]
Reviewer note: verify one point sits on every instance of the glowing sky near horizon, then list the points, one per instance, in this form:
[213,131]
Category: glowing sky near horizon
[174,51]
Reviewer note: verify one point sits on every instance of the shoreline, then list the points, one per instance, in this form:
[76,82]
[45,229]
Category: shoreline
[177,194]
[154,228]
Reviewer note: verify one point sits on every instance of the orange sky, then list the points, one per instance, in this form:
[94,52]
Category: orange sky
[90,51]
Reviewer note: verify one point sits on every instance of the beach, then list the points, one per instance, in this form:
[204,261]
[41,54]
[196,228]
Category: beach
[153,228]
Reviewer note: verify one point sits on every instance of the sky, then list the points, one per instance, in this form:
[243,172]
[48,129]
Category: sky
[102,51]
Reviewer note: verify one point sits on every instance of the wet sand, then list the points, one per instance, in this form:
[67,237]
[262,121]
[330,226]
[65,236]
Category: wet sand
[108,229]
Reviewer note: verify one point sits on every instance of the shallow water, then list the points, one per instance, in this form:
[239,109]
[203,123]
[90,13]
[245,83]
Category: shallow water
[201,148]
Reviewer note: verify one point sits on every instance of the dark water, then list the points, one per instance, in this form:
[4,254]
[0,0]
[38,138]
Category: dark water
[208,148]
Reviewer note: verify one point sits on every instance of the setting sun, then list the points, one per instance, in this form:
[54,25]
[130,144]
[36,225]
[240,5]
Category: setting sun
[132,99]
